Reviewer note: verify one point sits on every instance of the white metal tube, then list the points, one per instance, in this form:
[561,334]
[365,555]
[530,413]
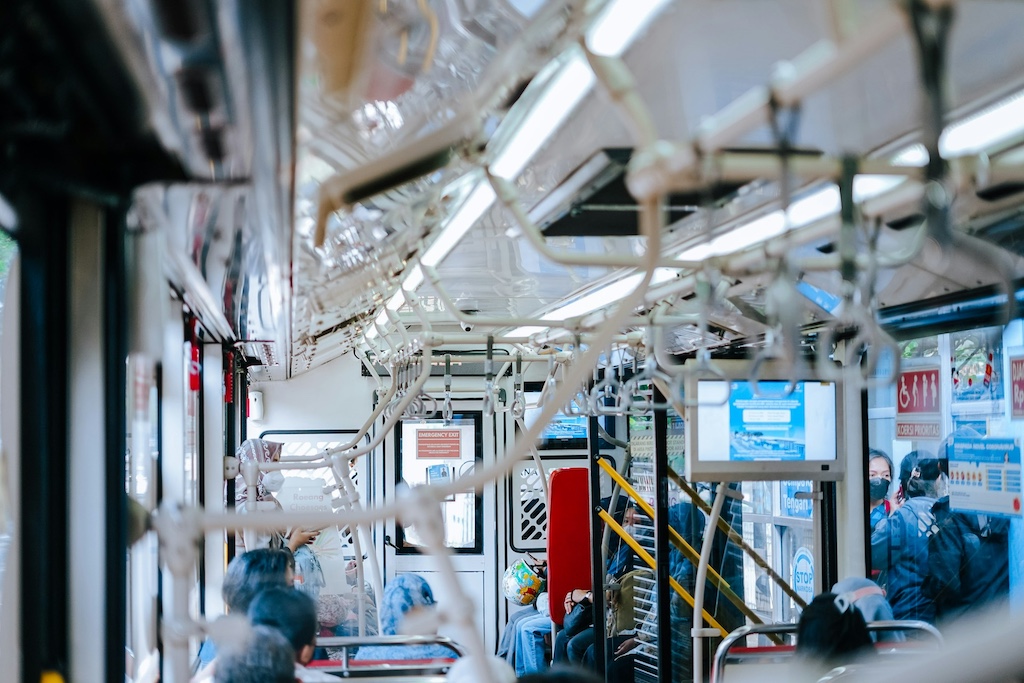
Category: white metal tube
[396,415]
[653,174]
[702,576]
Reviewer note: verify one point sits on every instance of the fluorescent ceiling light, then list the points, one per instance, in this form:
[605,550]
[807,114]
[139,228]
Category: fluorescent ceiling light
[867,186]
[985,128]
[804,211]
[748,234]
[610,293]
[370,333]
[620,23]
[397,301]
[973,134]
[475,206]
[525,331]
[413,279]
[562,93]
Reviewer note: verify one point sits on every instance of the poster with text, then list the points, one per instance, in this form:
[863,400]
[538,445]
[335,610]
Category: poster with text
[984,475]
[766,427]
[918,403]
[1017,387]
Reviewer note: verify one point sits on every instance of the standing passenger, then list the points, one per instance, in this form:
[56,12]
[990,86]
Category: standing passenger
[879,481]
[968,560]
[899,544]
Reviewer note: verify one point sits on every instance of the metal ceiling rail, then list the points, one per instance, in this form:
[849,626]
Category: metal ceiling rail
[658,170]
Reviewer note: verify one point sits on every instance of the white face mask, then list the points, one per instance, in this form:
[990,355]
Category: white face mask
[273,481]
[630,529]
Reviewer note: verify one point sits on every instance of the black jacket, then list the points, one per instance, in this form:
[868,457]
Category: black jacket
[968,560]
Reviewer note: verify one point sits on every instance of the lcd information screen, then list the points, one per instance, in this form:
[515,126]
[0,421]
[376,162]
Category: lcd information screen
[563,432]
[772,426]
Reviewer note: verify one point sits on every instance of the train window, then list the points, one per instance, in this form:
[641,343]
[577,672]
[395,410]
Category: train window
[303,490]
[436,451]
[953,401]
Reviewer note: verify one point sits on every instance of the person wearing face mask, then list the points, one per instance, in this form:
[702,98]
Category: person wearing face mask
[899,544]
[262,451]
[879,481]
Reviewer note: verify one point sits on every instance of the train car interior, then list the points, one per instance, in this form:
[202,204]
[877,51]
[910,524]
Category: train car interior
[415,316]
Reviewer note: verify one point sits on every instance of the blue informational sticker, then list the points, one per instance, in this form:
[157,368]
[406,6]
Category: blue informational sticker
[766,427]
[803,573]
[984,475]
[790,505]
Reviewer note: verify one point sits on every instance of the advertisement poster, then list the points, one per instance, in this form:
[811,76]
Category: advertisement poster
[766,427]
[984,476]
[1017,387]
[918,404]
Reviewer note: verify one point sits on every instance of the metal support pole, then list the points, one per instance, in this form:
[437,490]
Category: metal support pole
[661,540]
[230,440]
[597,570]
[44,247]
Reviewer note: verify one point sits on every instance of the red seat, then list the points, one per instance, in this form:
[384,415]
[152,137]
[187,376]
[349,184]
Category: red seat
[569,560]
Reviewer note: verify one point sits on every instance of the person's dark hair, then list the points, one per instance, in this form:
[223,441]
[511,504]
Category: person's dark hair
[265,656]
[290,611]
[252,572]
[876,453]
[832,632]
[911,469]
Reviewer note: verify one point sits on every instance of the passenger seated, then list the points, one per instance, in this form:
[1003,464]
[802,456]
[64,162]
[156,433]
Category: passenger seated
[263,656]
[868,597]
[831,633]
[247,575]
[293,613]
[406,595]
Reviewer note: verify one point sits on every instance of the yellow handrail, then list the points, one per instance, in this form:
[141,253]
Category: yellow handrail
[737,539]
[716,579]
[646,557]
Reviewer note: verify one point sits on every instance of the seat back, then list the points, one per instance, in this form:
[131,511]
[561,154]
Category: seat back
[569,559]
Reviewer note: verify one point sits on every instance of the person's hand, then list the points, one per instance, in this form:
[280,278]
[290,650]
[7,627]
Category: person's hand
[300,537]
[625,647]
[575,597]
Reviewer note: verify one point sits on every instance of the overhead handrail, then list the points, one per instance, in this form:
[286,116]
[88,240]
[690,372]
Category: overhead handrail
[447,412]
[782,340]
[393,418]
[605,388]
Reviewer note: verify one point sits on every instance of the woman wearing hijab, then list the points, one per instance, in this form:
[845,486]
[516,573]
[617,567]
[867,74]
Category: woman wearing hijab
[405,595]
[261,451]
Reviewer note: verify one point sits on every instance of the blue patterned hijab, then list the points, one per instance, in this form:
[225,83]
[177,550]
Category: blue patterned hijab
[401,595]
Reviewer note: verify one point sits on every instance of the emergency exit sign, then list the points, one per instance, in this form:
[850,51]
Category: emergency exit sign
[439,443]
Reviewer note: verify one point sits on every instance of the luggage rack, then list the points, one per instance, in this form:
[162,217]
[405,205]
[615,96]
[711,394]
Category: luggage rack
[782,654]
